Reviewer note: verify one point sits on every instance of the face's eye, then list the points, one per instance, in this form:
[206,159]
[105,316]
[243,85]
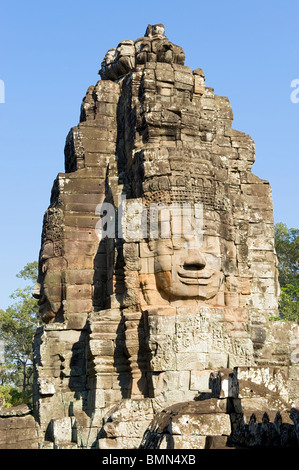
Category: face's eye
[48,251]
[161,246]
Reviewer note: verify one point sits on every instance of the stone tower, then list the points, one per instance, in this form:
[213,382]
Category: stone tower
[157,270]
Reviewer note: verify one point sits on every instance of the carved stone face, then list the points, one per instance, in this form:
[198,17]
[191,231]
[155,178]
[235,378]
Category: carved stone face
[158,29]
[155,29]
[110,56]
[49,287]
[186,268]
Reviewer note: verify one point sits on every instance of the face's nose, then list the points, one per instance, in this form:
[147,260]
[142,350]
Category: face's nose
[36,291]
[195,261]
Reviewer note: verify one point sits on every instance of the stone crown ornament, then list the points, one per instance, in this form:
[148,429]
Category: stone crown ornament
[153,47]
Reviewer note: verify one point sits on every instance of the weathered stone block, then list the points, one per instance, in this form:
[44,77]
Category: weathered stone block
[201,425]
[190,361]
[200,380]
[119,443]
[186,442]
[61,430]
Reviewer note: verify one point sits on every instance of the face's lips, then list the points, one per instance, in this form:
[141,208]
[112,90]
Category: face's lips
[197,277]
[43,299]
[43,305]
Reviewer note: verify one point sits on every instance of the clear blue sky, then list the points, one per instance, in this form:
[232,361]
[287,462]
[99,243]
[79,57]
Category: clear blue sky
[51,52]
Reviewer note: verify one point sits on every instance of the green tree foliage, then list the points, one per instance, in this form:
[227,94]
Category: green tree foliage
[11,396]
[17,327]
[287,249]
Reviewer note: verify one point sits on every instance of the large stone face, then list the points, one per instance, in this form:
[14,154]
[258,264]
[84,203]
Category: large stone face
[157,266]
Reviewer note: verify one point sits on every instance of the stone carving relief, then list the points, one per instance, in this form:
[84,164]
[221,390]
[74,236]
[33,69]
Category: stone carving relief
[49,289]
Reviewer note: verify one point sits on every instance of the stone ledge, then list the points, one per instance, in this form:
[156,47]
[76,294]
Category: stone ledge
[20,410]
